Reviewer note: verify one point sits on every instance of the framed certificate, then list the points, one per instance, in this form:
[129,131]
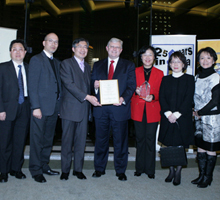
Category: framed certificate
[109,92]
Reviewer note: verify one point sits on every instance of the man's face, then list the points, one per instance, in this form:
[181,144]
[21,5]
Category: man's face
[81,50]
[51,43]
[114,50]
[17,52]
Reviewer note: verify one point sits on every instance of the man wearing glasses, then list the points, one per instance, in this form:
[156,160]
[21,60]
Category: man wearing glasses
[75,108]
[113,117]
[14,112]
[44,91]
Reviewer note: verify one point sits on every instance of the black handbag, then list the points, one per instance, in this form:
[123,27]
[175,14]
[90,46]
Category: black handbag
[173,156]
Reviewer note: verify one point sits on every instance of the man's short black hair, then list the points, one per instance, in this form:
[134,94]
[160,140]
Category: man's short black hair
[18,41]
[76,41]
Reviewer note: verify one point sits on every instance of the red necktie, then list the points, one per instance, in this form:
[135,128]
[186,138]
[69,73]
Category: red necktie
[111,70]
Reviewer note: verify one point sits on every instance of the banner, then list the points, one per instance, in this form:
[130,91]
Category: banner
[6,36]
[165,45]
[215,44]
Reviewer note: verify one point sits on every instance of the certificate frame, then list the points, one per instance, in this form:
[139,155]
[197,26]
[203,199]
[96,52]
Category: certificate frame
[109,92]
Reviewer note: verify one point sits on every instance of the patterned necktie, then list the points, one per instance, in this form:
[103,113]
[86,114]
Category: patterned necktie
[21,86]
[82,66]
[111,70]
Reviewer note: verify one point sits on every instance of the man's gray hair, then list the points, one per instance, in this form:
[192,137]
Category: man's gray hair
[115,40]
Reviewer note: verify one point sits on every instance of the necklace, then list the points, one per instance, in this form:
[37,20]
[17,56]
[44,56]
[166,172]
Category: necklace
[147,72]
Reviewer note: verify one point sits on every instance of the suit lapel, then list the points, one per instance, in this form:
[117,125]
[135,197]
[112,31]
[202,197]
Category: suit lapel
[47,63]
[78,70]
[13,72]
[104,69]
[118,68]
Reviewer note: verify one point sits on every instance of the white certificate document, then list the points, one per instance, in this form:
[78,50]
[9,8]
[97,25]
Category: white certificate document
[109,92]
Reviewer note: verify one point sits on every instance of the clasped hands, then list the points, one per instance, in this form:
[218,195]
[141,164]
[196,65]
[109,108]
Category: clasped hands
[148,98]
[172,118]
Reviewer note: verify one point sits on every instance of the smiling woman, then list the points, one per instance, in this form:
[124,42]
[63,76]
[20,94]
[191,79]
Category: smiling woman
[207,116]
[145,111]
[176,97]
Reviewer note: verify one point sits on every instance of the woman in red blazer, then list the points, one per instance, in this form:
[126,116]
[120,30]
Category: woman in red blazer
[146,112]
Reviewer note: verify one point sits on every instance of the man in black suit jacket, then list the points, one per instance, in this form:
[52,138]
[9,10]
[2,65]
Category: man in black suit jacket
[115,116]
[44,91]
[75,107]
[14,112]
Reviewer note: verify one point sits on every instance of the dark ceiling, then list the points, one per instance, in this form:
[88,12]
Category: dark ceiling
[42,8]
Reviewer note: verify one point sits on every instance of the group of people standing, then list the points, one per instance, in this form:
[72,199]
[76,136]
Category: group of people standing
[171,101]
[39,92]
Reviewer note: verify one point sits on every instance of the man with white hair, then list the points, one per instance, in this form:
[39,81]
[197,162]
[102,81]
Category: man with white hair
[113,117]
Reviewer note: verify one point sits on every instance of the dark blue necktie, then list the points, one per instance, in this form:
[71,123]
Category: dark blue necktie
[21,86]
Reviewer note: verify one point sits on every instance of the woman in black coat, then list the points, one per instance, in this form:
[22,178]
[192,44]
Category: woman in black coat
[176,98]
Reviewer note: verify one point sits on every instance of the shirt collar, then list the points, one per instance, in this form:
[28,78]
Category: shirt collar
[177,74]
[16,64]
[47,54]
[78,60]
[116,60]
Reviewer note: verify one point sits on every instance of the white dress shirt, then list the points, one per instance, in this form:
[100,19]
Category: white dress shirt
[23,75]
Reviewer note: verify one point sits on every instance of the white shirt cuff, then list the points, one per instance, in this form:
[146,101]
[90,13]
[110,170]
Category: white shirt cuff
[167,113]
[177,114]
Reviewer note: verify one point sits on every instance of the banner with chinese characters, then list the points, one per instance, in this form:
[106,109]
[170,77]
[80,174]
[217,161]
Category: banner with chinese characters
[165,45]
[215,44]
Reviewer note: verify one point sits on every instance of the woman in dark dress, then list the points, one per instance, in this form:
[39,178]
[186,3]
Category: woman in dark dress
[176,100]
[146,112]
[207,116]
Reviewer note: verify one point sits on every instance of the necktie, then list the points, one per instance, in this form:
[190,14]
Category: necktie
[82,66]
[51,57]
[111,70]
[21,86]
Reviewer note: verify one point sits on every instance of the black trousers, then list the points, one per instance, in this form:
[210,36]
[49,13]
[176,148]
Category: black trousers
[13,136]
[41,142]
[146,142]
[120,141]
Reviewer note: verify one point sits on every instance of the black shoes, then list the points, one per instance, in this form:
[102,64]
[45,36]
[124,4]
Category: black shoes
[64,176]
[98,174]
[121,177]
[177,180]
[18,175]
[171,175]
[79,175]
[39,178]
[51,172]
[137,174]
[151,176]
[3,178]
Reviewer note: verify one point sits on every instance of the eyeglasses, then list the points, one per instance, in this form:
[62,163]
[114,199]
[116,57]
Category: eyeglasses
[114,47]
[81,47]
[52,41]
[178,62]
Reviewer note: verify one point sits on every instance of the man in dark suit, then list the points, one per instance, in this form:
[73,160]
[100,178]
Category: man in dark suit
[75,107]
[14,112]
[114,116]
[44,91]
